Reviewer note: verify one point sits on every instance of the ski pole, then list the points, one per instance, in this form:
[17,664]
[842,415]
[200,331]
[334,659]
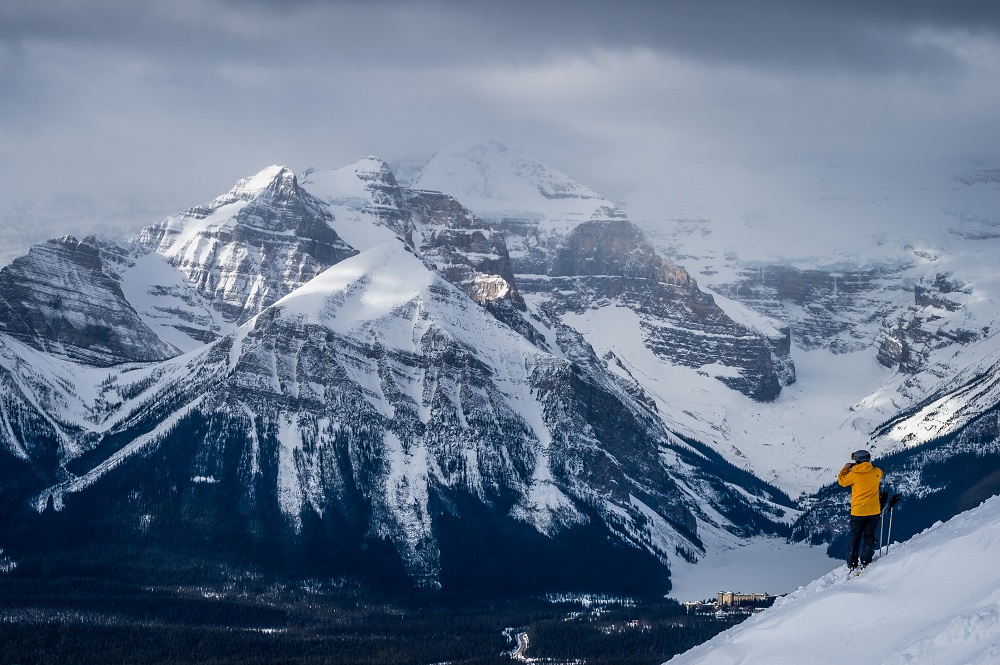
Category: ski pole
[890,531]
[892,502]
[883,500]
[881,532]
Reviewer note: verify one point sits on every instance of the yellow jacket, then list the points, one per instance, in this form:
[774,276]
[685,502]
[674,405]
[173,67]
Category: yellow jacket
[863,479]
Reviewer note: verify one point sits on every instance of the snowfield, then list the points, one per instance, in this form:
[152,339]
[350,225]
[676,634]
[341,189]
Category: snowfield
[933,600]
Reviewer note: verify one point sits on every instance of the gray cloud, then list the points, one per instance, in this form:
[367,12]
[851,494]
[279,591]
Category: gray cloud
[172,102]
[809,33]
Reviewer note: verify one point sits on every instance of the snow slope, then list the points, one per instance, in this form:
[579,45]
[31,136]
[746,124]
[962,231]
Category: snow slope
[355,203]
[934,599]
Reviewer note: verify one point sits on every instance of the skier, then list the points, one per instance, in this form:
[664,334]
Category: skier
[863,479]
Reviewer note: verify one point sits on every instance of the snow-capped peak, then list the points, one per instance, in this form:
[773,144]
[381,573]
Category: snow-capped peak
[277,179]
[376,282]
[367,183]
[496,180]
[380,285]
[171,236]
[374,167]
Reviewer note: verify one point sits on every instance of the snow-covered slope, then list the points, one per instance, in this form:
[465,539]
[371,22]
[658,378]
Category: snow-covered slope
[933,599]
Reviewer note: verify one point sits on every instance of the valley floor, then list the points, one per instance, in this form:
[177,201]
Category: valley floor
[759,565]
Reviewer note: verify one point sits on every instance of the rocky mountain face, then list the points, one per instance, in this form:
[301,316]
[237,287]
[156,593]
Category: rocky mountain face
[923,328]
[573,251]
[248,248]
[343,376]
[63,298]
[850,310]
[826,309]
[469,252]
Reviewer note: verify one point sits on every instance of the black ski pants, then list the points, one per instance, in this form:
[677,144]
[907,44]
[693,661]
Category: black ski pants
[861,537]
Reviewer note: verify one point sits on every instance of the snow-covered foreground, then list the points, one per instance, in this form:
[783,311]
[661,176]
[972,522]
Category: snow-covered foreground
[758,565]
[934,599]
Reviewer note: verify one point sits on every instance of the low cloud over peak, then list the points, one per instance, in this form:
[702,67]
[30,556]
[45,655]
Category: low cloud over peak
[175,101]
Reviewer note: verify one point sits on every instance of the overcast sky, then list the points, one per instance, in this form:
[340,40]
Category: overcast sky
[173,101]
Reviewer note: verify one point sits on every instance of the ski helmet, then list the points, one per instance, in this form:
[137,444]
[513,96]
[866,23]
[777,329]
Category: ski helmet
[861,456]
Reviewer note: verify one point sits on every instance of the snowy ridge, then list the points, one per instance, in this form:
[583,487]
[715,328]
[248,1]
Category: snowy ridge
[57,493]
[360,291]
[949,413]
[933,599]
[371,295]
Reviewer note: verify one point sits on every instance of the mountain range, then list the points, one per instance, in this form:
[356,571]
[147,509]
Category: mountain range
[487,376]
